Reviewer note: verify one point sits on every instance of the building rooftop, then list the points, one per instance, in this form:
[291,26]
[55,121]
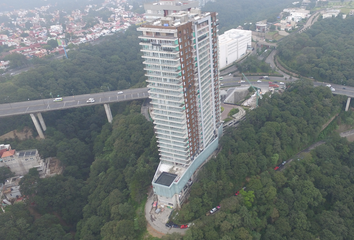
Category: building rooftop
[166,178]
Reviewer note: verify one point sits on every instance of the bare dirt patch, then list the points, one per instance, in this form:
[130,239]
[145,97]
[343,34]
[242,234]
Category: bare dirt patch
[153,232]
[343,128]
[26,133]
[350,138]
[54,167]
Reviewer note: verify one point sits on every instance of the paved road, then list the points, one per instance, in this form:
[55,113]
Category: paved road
[310,21]
[44,105]
[339,89]
[229,81]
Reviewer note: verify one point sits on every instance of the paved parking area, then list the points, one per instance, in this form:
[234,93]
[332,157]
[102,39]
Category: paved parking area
[157,221]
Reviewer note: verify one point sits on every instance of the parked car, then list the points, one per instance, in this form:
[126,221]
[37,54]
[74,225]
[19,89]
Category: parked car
[58,99]
[242,81]
[329,85]
[184,226]
[175,225]
[237,193]
[120,92]
[259,81]
[213,210]
[90,100]
[283,163]
[222,84]
[229,74]
[276,168]
[281,83]
[168,225]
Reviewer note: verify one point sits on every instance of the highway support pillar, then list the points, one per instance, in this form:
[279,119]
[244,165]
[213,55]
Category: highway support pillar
[107,108]
[41,120]
[38,127]
[348,104]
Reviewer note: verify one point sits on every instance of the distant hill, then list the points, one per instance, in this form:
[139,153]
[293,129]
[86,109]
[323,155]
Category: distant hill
[233,13]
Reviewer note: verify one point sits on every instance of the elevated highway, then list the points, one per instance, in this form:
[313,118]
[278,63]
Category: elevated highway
[45,105]
[36,107]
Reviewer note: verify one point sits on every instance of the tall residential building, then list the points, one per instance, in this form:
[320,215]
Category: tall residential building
[180,53]
[233,44]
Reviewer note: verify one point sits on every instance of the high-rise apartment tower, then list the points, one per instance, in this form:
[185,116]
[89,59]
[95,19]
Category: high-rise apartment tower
[180,53]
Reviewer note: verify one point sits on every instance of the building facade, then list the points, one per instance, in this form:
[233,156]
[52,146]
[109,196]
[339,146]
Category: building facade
[20,162]
[233,44]
[180,53]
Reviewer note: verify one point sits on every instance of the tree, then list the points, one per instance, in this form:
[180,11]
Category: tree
[5,173]
[16,60]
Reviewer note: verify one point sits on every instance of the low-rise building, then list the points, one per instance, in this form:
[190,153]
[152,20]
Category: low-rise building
[331,13]
[20,162]
[233,44]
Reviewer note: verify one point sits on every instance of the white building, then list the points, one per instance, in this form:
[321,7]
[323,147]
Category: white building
[232,45]
[297,14]
[331,13]
[180,53]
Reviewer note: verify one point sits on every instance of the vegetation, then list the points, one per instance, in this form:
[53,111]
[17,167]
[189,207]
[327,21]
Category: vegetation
[233,13]
[105,179]
[291,204]
[233,112]
[126,158]
[324,52]
[5,173]
[107,168]
[253,65]
[113,64]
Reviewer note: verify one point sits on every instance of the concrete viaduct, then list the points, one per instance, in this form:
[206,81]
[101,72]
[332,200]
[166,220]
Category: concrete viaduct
[36,107]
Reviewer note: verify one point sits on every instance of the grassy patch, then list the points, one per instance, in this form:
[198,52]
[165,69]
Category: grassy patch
[233,111]
[227,119]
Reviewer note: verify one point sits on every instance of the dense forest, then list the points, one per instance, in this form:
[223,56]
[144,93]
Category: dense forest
[94,154]
[324,52]
[105,179]
[233,13]
[253,65]
[299,202]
